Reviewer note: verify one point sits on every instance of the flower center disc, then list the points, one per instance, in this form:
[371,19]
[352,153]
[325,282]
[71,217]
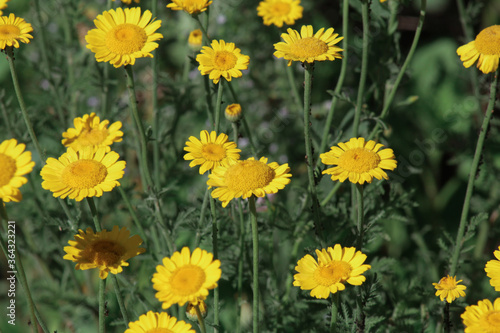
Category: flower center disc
[488,41]
[280,9]
[248,175]
[84,174]
[447,284]
[224,60]
[492,321]
[105,253]
[336,271]
[126,38]
[359,160]
[213,152]
[159,330]
[187,280]
[7,168]
[9,31]
[93,137]
[308,47]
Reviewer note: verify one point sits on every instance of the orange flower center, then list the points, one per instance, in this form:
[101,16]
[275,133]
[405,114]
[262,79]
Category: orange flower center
[224,60]
[8,169]
[488,41]
[104,253]
[491,321]
[187,280]
[126,38]
[84,174]
[248,175]
[308,47]
[213,152]
[359,160]
[334,272]
[9,31]
[279,9]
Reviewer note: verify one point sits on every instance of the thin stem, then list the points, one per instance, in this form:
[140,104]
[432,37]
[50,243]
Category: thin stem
[340,82]
[335,310]
[156,111]
[102,306]
[364,67]
[390,98]
[135,219]
[202,217]
[119,298]
[447,323]
[218,105]
[208,98]
[215,250]
[240,265]
[472,175]
[203,30]
[293,86]
[360,215]
[248,133]
[95,217]
[201,320]
[331,194]
[255,239]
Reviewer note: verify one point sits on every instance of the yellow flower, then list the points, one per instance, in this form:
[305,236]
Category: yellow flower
[123,36]
[14,164]
[80,174]
[192,7]
[12,30]
[308,47]
[233,112]
[278,12]
[359,161]
[195,39]
[483,317]
[106,250]
[248,177]
[492,270]
[222,59]
[335,267]
[485,48]
[158,322]
[448,288]
[191,310]
[186,278]
[128,2]
[90,131]
[3,5]
[210,151]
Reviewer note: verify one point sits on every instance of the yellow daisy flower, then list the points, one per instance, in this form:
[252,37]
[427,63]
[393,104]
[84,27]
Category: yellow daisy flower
[233,112]
[192,7]
[195,39]
[106,250]
[222,59]
[210,151]
[191,310]
[335,267]
[308,47]
[3,5]
[123,36]
[128,2]
[158,322]
[14,164]
[485,48]
[248,177]
[12,30]
[90,131]
[186,277]
[483,317]
[359,161]
[448,288]
[84,173]
[278,12]
[492,270]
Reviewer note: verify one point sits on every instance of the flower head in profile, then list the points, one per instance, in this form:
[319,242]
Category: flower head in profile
[246,178]
[192,7]
[233,112]
[3,5]
[186,277]
[335,267]
[449,289]
[195,39]
[278,12]
[106,250]
[123,35]
[485,49]
[80,174]
[492,270]
[191,310]
[90,131]
[222,60]
[210,151]
[359,161]
[128,2]
[307,46]
[14,164]
[158,322]
[483,317]
[13,30]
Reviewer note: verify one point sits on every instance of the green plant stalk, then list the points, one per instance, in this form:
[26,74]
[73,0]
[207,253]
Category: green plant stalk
[95,216]
[243,121]
[335,310]
[447,323]
[143,160]
[68,40]
[215,237]
[159,220]
[293,87]
[202,217]
[364,67]
[360,215]
[472,175]
[135,219]
[340,82]
[102,305]
[255,239]
[218,105]
[201,320]
[331,194]
[392,94]
[119,298]
[156,110]
[241,237]
[203,30]
[208,98]
[308,73]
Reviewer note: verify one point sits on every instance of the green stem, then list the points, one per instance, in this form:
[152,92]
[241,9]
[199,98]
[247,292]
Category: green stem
[208,98]
[207,39]
[390,98]
[360,215]
[201,320]
[143,160]
[331,194]
[119,298]
[240,265]
[255,239]
[218,105]
[243,121]
[293,86]
[340,82]
[215,250]
[472,175]
[132,213]
[447,323]
[202,218]
[335,310]
[364,67]
[156,110]
[102,305]
[93,211]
